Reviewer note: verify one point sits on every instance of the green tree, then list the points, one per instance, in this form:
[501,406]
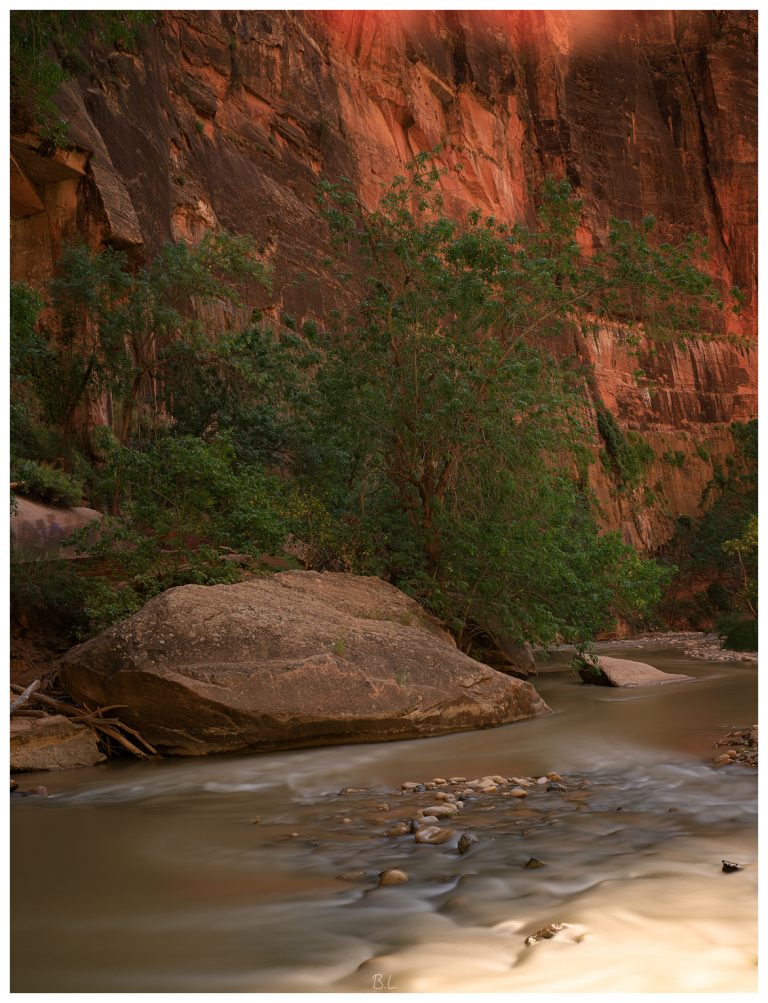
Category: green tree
[447,427]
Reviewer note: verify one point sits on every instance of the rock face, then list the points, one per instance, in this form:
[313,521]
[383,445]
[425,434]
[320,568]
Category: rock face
[228,118]
[624,672]
[297,659]
[52,742]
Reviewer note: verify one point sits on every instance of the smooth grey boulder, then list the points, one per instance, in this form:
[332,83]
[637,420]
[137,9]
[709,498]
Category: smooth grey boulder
[294,659]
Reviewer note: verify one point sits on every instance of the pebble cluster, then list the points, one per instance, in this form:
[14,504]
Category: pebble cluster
[742,748]
[709,649]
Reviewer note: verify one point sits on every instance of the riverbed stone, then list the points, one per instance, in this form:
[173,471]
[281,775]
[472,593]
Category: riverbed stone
[433,835]
[295,659]
[608,671]
[393,876]
[52,742]
[466,840]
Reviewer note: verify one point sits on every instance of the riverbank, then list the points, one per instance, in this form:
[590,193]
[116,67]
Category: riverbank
[693,644]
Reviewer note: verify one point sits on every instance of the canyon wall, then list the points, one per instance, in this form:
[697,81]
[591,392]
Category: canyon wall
[229,118]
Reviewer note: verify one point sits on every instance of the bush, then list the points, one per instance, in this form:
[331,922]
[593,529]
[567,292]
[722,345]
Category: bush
[739,635]
[46,484]
[629,454]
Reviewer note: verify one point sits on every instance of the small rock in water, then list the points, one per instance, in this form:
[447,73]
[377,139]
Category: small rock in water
[722,760]
[14,784]
[444,810]
[466,840]
[409,785]
[555,776]
[541,780]
[346,821]
[393,876]
[430,785]
[518,792]
[352,790]
[433,835]
[416,824]
[729,867]
[439,781]
[40,791]
[401,829]
[382,807]
[458,780]
[351,876]
[490,789]
[546,933]
[533,863]
[555,787]
[256,821]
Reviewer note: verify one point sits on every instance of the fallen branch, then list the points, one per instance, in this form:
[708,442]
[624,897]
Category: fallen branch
[16,704]
[111,727]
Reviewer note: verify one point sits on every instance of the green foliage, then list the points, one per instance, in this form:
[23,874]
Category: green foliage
[46,484]
[703,453]
[674,457]
[48,47]
[444,426]
[629,455]
[722,544]
[48,595]
[739,634]
[114,330]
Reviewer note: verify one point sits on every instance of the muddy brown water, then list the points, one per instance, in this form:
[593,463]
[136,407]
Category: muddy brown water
[158,878]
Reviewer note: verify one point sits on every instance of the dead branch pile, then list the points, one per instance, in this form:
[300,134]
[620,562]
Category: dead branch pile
[109,728]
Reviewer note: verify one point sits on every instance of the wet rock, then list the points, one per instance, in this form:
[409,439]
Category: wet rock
[346,821]
[546,933]
[14,785]
[555,776]
[518,792]
[602,670]
[352,790]
[433,835]
[439,781]
[520,781]
[416,824]
[444,810]
[556,787]
[401,829]
[533,863]
[466,839]
[352,876]
[729,867]
[393,876]
[409,785]
[458,780]
[382,807]
[722,760]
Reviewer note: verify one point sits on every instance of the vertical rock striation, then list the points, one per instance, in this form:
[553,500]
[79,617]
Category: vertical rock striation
[229,118]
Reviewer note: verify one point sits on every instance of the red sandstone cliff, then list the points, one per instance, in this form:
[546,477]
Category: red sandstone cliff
[228,119]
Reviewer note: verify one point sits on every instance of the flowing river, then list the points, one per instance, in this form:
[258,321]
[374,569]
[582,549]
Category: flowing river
[223,874]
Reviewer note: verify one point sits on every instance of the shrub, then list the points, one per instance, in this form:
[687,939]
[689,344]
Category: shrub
[739,635]
[46,484]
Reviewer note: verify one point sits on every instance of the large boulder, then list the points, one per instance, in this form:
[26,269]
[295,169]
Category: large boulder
[607,671]
[52,742]
[296,659]
[37,530]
